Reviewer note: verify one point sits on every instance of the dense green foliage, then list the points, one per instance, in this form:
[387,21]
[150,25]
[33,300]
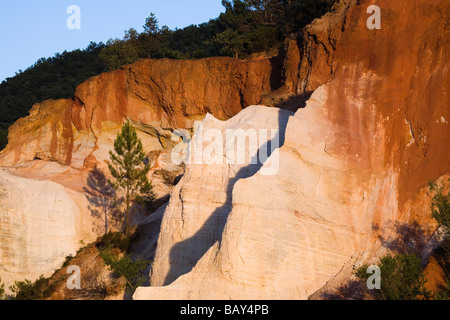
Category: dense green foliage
[246,27]
[116,240]
[442,254]
[28,290]
[134,270]
[113,248]
[128,170]
[440,210]
[440,206]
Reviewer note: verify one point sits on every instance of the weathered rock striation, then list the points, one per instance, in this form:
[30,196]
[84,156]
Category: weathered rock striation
[39,225]
[351,171]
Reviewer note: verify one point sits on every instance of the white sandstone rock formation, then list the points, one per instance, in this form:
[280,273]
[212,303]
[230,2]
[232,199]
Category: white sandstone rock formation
[39,227]
[282,236]
[201,202]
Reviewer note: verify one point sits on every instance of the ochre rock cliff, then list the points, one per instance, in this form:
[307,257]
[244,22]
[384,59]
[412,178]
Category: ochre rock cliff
[200,203]
[67,141]
[353,169]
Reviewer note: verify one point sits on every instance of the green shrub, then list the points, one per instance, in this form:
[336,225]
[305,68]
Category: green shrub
[440,211]
[402,278]
[27,290]
[117,240]
[132,270]
[440,208]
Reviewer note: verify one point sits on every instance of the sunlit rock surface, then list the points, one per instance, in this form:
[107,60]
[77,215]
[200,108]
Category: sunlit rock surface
[353,169]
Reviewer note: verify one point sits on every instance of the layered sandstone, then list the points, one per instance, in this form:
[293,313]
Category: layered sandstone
[353,169]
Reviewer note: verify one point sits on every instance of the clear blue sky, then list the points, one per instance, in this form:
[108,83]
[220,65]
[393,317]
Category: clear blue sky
[32,29]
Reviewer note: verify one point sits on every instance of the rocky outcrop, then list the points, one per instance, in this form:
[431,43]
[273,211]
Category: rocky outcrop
[319,44]
[353,169]
[40,225]
[157,95]
[201,201]
[67,142]
[350,177]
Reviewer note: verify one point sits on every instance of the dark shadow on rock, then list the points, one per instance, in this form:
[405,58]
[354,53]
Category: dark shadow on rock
[144,242]
[186,254]
[101,198]
[152,206]
[277,77]
[442,255]
[294,102]
[408,237]
[351,290]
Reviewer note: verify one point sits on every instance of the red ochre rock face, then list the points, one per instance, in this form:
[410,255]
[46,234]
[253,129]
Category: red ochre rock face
[162,94]
[171,91]
[408,90]
[387,101]
[400,74]
[353,171]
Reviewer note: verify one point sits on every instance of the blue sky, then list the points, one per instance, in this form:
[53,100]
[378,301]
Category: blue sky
[32,29]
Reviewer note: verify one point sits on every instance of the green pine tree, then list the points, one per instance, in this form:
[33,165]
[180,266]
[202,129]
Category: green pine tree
[129,171]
